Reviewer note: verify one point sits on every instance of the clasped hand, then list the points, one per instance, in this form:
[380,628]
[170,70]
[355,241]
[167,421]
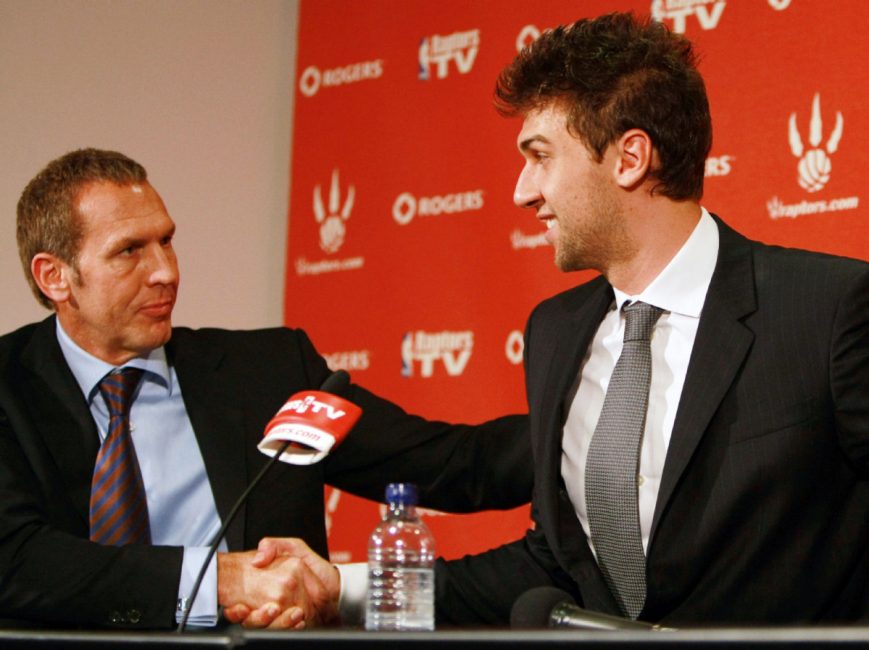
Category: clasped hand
[283,584]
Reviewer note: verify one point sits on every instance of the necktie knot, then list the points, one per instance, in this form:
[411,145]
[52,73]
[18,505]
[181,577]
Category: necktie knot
[117,389]
[640,319]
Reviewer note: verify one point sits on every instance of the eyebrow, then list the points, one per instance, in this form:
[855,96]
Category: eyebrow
[125,241]
[528,142]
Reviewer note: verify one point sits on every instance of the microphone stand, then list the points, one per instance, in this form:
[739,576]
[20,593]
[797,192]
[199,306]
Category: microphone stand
[220,533]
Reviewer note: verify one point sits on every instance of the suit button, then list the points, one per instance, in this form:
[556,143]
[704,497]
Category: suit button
[134,616]
[115,617]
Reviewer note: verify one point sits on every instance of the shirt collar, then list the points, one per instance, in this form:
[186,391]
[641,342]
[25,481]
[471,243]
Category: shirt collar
[88,370]
[681,287]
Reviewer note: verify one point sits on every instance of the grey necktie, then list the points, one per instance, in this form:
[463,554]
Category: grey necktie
[613,463]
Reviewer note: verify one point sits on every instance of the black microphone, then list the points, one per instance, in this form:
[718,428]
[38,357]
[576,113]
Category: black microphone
[335,384]
[552,607]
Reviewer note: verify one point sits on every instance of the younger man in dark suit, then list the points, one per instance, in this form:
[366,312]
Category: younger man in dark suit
[699,412]
[718,472]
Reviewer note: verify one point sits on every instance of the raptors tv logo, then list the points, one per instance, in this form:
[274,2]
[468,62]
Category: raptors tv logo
[437,52]
[421,350]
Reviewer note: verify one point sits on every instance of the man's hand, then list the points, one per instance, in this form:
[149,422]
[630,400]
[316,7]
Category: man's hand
[280,593]
[315,587]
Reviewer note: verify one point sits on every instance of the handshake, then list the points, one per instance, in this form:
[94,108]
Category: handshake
[283,584]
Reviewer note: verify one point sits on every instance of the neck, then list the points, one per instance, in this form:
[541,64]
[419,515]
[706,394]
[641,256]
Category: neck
[660,228]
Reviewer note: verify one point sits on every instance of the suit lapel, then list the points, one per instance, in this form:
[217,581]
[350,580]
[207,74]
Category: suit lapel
[571,339]
[719,349]
[217,423]
[55,402]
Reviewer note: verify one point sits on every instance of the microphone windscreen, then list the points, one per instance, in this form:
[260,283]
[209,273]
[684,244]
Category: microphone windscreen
[336,383]
[311,423]
[531,610]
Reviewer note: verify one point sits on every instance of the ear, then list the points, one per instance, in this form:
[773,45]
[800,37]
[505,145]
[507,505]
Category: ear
[52,276]
[634,154]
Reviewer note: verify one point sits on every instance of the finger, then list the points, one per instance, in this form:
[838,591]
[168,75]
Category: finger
[262,617]
[236,613]
[266,552]
[293,618]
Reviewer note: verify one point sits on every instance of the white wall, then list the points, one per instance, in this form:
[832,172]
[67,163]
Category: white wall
[198,91]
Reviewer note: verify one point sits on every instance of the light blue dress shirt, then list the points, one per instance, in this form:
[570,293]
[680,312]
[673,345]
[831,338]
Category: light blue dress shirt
[181,505]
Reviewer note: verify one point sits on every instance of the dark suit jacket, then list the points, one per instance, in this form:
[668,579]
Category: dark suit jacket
[763,509]
[233,384]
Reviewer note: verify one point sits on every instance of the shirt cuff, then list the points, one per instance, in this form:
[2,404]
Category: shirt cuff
[354,587]
[204,612]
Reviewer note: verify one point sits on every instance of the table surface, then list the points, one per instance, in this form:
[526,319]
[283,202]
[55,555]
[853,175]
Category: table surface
[804,637]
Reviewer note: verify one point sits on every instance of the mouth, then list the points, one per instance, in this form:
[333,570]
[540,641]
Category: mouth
[551,223]
[548,220]
[158,309]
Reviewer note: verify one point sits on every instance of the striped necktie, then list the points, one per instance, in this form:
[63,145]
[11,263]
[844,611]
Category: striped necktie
[613,462]
[118,508]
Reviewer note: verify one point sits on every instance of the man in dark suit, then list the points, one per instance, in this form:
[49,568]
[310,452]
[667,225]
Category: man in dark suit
[96,243]
[745,498]
[731,484]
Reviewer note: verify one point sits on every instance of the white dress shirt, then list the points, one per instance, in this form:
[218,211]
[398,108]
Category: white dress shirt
[680,290]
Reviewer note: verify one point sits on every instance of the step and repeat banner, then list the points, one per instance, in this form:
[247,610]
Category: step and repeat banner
[408,263]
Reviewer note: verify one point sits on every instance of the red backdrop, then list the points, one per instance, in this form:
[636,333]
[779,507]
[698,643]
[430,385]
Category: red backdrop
[410,266]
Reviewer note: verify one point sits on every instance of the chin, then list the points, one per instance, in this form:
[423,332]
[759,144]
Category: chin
[160,336]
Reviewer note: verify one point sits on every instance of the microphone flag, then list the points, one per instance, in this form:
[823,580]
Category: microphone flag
[313,422]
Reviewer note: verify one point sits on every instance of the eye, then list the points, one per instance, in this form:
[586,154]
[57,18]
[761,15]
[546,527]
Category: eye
[166,241]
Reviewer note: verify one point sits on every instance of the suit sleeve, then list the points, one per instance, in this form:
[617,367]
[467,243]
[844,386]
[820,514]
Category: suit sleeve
[51,575]
[481,589]
[849,370]
[457,468]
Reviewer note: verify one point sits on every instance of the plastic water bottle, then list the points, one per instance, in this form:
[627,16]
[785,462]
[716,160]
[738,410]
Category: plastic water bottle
[401,553]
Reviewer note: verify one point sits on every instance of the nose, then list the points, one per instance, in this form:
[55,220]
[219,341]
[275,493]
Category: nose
[162,265]
[526,194]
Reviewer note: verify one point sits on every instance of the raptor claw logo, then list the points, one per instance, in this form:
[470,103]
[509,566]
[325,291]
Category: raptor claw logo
[332,229]
[814,166]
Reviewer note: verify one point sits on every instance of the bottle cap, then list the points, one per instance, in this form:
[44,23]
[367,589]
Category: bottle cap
[401,493]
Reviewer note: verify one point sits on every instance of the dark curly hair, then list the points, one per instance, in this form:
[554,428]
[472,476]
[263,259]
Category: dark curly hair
[614,73]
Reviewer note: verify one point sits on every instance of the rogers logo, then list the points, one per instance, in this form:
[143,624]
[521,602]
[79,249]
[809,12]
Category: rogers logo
[719,166]
[407,206]
[527,35]
[349,361]
[312,79]
[514,347]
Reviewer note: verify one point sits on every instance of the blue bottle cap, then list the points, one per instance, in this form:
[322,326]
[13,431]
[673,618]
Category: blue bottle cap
[401,493]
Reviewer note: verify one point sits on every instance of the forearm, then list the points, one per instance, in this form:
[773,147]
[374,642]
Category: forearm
[53,577]
[458,468]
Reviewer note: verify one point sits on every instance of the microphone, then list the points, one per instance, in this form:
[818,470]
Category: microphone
[312,422]
[552,607]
